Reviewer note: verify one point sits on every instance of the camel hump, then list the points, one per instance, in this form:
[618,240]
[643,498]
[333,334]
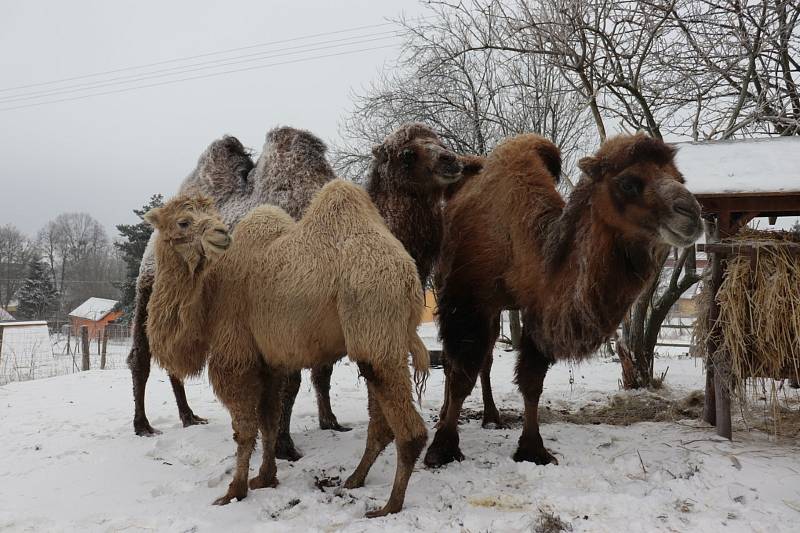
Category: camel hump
[289,139]
[262,225]
[527,153]
[221,170]
[341,204]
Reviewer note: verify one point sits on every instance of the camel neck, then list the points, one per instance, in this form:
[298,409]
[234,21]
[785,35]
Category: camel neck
[600,276]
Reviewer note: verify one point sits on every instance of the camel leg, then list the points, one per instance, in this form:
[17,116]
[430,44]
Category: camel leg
[241,392]
[491,416]
[321,378]
[468,338]
[269,418]
[139,360]
[184,411]
[379,435]
[445,403]
[532,367]
[392,388]
[284,446]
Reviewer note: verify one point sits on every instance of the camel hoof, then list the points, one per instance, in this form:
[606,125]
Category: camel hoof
[387,510]
[144,429]
[353,482]
[286,450]
[262,482]
[225,500]
[438,455]
[540,457]
[333,425]
[191,419]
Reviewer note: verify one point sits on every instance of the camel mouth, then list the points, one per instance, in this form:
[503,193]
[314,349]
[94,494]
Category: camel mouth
[675,237]
[448,179]
[216,242]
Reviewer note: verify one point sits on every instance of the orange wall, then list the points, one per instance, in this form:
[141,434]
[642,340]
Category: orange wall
[95,328]
[430,307]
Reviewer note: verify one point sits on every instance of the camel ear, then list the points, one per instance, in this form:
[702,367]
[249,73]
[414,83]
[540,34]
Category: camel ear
[154,217]
[379,153]
[591,166]
[471,165]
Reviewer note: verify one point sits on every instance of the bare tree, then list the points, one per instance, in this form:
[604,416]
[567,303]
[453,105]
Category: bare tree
[16,252]
[81,260]
[472,100]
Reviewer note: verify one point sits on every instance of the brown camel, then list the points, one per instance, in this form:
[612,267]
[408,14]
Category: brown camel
[409,174]
[572,268]
[291,168]
[286,296]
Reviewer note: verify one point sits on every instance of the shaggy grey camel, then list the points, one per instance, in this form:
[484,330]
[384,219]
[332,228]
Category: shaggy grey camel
[291,168]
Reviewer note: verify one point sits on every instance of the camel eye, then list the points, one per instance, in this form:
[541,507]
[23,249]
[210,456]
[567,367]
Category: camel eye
[629,185]
[183,224]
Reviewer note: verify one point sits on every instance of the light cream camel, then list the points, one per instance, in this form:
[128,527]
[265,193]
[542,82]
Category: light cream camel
[301,294]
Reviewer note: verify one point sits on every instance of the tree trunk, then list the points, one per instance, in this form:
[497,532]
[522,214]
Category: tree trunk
[636,349]
[85,347]
[515,326]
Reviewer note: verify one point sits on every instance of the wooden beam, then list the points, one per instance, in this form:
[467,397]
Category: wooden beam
[779,204]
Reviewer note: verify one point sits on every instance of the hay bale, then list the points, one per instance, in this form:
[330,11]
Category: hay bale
[758,326]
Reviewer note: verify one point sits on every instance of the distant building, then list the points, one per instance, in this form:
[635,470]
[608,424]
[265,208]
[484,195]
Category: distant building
[24,346]
[5,316]
[95,313]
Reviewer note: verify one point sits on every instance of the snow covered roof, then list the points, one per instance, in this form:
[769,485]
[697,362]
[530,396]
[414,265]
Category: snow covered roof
[764,165]
[5,315]
[93,309]
[19,323]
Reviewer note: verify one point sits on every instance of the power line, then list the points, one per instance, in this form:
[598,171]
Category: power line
[173,71]
[196,56]
[168,82]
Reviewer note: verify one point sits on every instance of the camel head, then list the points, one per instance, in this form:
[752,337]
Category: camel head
[191,228]
[415,154]
[639,191]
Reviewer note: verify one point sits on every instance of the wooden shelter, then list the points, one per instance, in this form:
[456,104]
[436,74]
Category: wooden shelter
[735,182]
[94,313]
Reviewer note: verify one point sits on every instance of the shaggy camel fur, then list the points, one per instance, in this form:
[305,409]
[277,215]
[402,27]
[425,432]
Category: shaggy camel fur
[410,172]
[292,167]
[286,296]
[573,269]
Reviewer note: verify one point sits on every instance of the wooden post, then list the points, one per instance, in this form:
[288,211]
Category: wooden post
[85,347]
[69,340]
[718,382]
[103,351]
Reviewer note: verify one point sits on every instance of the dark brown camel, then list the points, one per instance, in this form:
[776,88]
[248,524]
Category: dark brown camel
[410,171]
[572,268]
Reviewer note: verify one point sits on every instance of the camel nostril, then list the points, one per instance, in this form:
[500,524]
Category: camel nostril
[686,210]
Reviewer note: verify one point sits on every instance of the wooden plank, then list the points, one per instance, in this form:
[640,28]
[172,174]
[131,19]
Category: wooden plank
[746,248]
[779,204]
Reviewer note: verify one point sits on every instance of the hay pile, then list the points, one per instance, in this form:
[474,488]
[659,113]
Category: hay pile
[759,320]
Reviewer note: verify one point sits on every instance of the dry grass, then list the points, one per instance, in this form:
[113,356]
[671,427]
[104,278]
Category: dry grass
[623,409]
[759,320]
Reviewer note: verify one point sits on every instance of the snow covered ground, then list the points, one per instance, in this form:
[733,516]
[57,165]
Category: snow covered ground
[69,461]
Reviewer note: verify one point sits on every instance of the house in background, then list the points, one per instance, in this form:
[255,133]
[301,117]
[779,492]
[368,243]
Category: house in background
[5,316]
[95,313]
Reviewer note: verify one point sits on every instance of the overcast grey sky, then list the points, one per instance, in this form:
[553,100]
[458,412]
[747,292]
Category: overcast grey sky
[106,155]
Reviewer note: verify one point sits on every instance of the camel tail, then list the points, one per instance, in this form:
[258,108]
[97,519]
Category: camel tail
[421,360]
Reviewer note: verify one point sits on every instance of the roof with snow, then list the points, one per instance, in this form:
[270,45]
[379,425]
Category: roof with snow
[764,165]
[93,309]
[5,315]
[23,323]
